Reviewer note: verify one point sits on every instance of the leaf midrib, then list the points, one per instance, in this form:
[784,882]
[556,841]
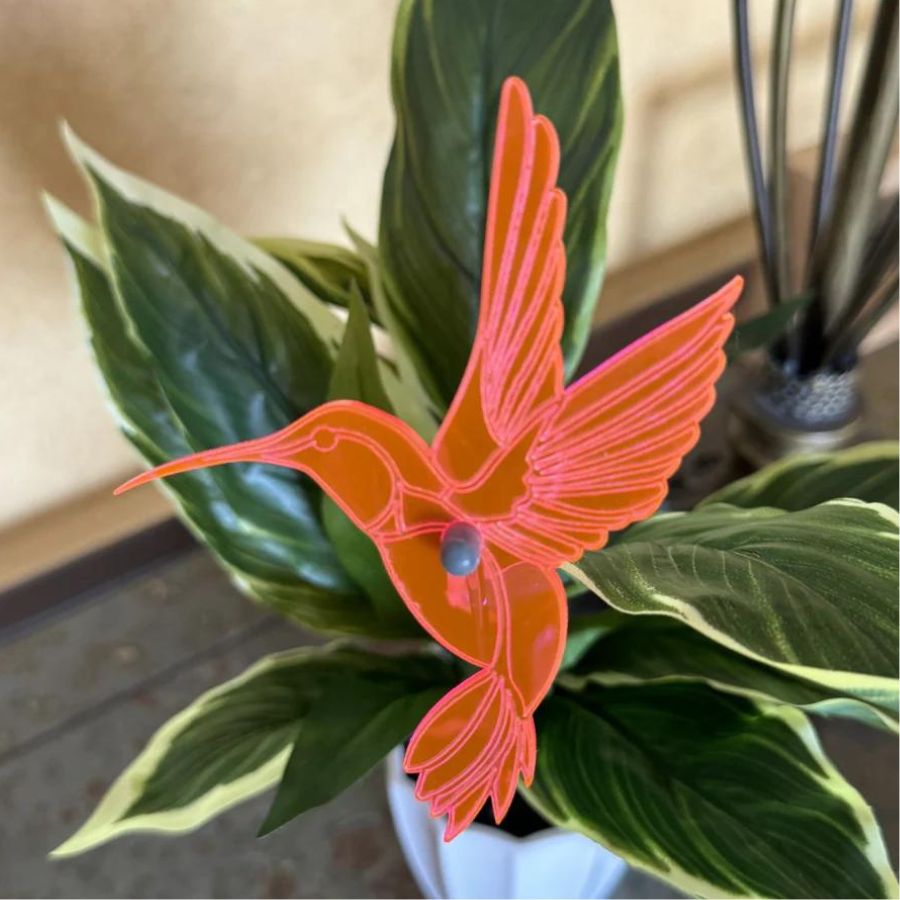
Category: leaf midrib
[668,773]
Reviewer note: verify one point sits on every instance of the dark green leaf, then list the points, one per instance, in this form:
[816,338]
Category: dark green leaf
[764,329]
[341,709]
[147,420]
[328,270]
[813,592]
[585,630]
[718,795]
[659,649]
[362,707]
[220,351]
[355,377]
[410,399]
[869,472]
[450,59]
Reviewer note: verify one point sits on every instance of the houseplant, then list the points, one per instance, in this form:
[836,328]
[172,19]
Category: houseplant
[203,337]
[805,394]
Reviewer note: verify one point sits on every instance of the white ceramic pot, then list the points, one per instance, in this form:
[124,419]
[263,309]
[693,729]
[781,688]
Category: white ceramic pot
[487,862]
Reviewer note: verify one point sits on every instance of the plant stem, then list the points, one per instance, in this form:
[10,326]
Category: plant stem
[778,174]
[837,264]
[747,103]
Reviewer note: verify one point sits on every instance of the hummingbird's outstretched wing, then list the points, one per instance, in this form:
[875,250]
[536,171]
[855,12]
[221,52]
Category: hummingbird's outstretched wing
[603,456]
[515,365]
[570,466]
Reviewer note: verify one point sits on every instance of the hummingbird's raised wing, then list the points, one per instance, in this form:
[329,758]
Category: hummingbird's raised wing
[549,474]
[602,457]
[515,365]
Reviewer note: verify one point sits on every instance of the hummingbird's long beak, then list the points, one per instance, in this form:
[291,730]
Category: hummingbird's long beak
[257,450]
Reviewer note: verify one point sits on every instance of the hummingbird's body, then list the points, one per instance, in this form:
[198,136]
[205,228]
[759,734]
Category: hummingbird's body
[523,475]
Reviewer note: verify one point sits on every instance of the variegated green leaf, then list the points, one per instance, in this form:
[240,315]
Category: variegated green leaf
[868,472]
[409,396]
[328,270]
[199,347]
[450,58]
[341,710]
[720,796]
[355,377]
[657,649]
[813,593]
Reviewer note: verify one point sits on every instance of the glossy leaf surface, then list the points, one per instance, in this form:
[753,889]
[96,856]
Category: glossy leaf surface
[194,341]
[813,592]
[661,650]
[446,82]
[355,377]
[720,796]
[869,472]
[341,709]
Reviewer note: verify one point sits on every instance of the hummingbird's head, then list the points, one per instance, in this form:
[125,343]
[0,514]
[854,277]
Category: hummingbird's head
[355,452]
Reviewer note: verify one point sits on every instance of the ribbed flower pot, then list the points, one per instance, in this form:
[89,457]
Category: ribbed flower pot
[486,862]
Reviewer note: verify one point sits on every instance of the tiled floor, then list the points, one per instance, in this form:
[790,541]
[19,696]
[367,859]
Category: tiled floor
[81,693]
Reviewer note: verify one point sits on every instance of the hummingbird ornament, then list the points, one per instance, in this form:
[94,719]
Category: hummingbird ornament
[523,475]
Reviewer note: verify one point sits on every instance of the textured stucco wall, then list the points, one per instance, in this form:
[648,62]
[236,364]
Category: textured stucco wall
[275,115]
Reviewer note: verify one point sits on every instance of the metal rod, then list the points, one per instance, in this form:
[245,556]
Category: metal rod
[778,174]
[836,267]
[825,177]
[880,302]
[747,105]
[880,258]
[811,326]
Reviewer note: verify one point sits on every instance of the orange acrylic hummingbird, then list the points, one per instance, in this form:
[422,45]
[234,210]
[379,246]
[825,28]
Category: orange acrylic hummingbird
[523,475]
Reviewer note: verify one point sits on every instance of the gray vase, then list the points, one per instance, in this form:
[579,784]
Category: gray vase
[775,413]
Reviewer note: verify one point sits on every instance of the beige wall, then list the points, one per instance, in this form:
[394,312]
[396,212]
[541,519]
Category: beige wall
[274,114]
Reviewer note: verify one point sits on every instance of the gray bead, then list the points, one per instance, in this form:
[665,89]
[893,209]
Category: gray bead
[461,549]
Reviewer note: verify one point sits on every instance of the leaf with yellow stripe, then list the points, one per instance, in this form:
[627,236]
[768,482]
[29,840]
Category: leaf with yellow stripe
[345,707]
[812,593]
[869,472]
[657,650]
[717,794]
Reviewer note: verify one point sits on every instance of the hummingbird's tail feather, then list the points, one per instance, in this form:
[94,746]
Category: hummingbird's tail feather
[472,745]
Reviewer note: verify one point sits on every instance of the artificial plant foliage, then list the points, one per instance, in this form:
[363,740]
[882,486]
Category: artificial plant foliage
[720,795]
[812,592]
[674,733]
[328,714]
[523,474]
[331,272]
[356,377]
[868,472]
[658,649]
[446,82]
[364,705]
[197,334]
[253,556]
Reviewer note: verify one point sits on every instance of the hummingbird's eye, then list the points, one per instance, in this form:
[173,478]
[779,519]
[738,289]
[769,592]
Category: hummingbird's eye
[324,438]
[461,549]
